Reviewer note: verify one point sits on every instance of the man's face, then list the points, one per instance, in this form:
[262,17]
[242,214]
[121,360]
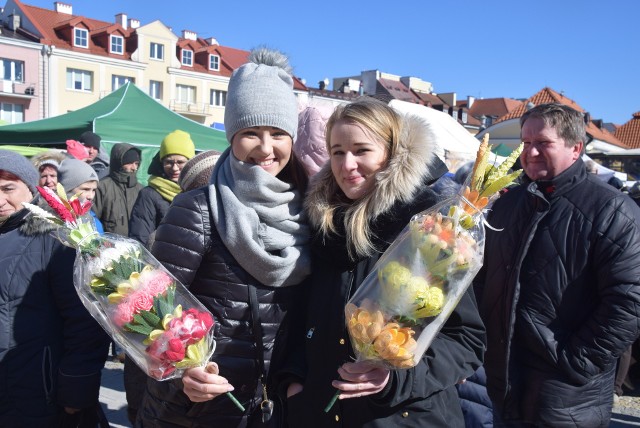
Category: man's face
[131,167]
[545,154]
[93,152]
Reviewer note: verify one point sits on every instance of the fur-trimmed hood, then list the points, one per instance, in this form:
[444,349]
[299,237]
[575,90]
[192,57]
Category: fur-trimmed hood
[413,164]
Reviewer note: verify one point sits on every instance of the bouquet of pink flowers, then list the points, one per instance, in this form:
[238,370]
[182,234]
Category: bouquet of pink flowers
[159,324]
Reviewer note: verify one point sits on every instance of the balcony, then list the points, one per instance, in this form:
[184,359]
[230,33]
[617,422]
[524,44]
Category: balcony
[13,89]
[189,108]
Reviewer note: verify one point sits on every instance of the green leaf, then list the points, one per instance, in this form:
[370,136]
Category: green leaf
[151,318]
[500,183]
[146,330]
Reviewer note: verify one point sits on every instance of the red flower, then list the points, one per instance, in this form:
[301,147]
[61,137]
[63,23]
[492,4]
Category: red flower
[80,208]
[175,351]
[192,326]
[55,203]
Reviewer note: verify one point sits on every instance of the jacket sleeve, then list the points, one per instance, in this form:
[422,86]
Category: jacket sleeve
[85,344]
[455,354]
[142,222]
[97,205]
[183,236]
[615,323]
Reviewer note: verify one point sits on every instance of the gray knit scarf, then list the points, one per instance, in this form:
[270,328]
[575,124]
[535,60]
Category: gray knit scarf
[261,222]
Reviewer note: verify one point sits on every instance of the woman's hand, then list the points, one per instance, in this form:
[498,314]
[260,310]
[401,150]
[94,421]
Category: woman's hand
[361,379]
[203,383]
[294,388]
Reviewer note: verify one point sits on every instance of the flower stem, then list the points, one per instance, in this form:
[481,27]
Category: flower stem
[235,401]
[332,402]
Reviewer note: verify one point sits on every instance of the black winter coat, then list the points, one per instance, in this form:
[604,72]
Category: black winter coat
[561,298]
[51,350]
[148,211]
[188,244]
[423,396]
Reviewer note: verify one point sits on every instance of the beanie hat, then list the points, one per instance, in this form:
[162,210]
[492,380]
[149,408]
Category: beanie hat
[130,156]
[197,172]
[77,150]
[90,139]
[74,172]
[261,94]
[20,166]
[177,143]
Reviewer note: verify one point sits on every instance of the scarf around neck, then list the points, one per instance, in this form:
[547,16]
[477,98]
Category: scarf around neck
[261,221]
[167,188]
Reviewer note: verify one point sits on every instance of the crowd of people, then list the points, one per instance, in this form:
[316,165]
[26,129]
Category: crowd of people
[276,233]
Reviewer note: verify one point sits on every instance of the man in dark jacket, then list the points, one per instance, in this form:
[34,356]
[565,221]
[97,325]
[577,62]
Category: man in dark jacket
[560,282]
[91,141]
[117,193]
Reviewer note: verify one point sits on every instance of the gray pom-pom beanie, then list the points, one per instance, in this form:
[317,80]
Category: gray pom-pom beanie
[261,94]
[20,166]
[74,172]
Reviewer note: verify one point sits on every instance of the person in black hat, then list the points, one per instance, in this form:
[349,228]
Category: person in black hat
[97,159]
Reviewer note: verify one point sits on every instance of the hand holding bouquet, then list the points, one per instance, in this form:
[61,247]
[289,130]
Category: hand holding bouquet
[403,303]
[160,325]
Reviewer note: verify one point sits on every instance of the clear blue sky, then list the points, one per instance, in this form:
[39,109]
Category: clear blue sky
[586,49]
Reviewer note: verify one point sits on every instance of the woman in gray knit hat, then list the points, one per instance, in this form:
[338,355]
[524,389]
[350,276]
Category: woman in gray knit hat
[241,247]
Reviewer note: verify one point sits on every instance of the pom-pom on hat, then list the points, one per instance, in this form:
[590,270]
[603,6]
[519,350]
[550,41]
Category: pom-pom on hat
[177,143]
[90,139]
[20,166]
[261,94]
[74,172]
[77,150]
[197,172]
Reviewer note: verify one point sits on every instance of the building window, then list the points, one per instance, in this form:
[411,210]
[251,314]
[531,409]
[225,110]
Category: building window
[80,80]
[155,90]
[12,113]
[186,94]
[12,70]
[214,62]
[218,98]
[80,37]
[119,81]
[157,51]
[187,57]
[117,45]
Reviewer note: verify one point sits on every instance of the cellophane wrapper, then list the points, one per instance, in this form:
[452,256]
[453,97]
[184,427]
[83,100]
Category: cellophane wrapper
[414,287]
[160,325]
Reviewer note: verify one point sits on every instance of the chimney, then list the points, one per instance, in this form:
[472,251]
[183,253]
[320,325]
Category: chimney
[134,23]
[321,85]
[189,35]
[14,22]
[470,101]
[212,41]
[60,7]
[121,18]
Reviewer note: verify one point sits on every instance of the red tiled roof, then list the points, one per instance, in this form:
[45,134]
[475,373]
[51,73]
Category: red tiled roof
[431,100]
[548,95]
[495,107]
[629,133]
[47,21]
[398,90]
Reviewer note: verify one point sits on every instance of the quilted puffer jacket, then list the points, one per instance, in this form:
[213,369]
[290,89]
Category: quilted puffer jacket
[188,244]
[561,298]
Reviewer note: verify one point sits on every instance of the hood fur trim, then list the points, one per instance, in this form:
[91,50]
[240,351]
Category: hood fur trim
[400,180]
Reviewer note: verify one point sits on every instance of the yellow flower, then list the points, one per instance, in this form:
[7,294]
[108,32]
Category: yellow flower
[432,304]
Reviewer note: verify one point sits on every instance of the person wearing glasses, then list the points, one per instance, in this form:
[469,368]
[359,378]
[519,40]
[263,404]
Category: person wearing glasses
[154,200]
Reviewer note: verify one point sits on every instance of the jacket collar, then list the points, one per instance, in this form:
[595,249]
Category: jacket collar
[562,183]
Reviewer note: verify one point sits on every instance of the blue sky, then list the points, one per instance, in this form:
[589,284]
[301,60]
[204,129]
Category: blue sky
[586,49]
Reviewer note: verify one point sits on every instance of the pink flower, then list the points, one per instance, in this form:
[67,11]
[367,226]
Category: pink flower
[156,282]
[123,313]
[140,301]
[175,350]
[192,326]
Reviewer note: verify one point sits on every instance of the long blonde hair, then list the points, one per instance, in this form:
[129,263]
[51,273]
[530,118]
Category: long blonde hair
[384,124]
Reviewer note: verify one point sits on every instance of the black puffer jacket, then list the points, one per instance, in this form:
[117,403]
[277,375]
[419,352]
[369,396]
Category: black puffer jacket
[561,298]
[188,244]
[51,350]
[423,396]
[148,211]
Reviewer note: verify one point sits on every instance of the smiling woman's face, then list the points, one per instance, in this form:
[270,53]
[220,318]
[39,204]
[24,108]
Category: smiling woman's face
[355,156]
[264,146]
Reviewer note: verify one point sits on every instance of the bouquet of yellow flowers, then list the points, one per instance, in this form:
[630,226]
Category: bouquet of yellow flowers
[403,303]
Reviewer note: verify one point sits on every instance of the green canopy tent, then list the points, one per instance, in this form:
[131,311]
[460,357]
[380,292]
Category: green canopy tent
[502,150]
[127,115]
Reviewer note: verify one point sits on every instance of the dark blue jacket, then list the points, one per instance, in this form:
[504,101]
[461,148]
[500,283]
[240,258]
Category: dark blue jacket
[475,402]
